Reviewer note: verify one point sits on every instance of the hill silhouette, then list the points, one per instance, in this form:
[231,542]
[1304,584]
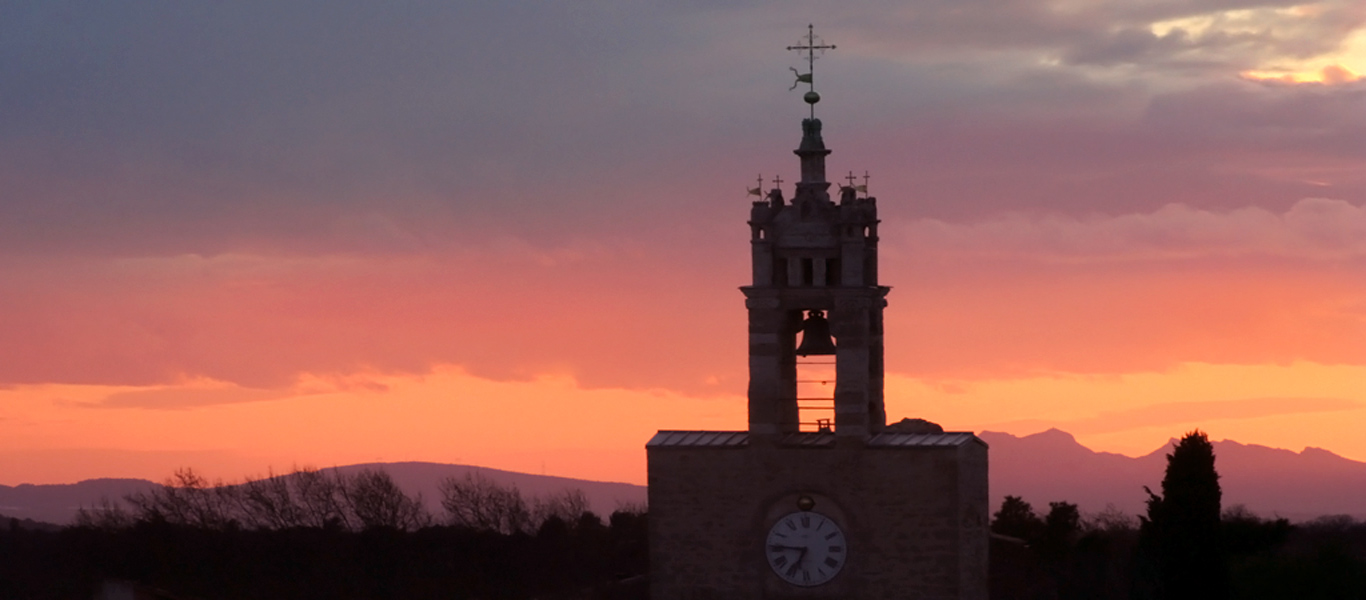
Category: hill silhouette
[58,503]
[1043,467]
[1051,466]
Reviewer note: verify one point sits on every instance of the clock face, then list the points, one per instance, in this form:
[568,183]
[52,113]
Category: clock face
[806,548]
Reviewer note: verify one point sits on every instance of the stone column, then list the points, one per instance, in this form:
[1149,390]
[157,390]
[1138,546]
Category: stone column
[772,369]
[762,262]
[851,265]
[877,408]
[849,324]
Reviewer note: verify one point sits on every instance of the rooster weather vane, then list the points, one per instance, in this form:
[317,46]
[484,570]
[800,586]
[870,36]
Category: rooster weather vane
[811,46]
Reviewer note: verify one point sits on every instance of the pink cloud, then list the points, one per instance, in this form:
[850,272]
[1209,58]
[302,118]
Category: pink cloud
[1007,296]
[1313,228]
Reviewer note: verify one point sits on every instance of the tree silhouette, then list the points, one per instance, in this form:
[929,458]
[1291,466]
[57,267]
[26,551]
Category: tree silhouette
[480,503]
[1180,534]
[1018,520]
[376,501]
[569,505]
[1061,528]
[187,498]
[269,503]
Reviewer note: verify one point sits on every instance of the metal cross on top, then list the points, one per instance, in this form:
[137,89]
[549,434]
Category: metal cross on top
[812,44]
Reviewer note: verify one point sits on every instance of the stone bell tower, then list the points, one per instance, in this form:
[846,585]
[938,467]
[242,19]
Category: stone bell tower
[815,273]
[839,508]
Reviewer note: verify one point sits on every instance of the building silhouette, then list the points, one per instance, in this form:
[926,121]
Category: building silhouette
[818,498]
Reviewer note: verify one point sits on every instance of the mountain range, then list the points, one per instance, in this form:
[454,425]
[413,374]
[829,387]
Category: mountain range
[1041,468]
[1051,466]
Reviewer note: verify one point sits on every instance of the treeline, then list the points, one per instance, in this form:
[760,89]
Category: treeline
[315,534]
[1186,546]
[309,497]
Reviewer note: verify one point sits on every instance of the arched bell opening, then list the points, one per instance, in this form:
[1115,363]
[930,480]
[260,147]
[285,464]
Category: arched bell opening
[815,358]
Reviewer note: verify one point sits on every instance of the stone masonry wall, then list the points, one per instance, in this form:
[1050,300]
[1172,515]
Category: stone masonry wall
[915,519]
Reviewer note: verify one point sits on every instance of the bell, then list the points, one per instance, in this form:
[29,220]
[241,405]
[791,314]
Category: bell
[816,335]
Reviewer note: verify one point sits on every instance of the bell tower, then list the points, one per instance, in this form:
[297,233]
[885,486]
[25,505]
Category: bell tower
[795,507]
[815,275]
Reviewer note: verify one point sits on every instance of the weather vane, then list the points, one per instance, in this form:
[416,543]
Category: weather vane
[856,189]
[757,190]
[812,44]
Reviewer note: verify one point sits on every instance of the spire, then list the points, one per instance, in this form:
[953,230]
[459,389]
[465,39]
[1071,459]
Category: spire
[812,149]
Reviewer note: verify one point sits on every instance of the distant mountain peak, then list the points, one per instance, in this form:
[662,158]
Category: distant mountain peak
[1053,439]
[1316,452]
[1053,433]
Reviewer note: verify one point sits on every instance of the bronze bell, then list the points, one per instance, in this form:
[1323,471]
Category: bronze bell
[816,335]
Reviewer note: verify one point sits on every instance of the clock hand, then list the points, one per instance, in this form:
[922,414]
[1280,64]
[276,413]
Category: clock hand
[782,547]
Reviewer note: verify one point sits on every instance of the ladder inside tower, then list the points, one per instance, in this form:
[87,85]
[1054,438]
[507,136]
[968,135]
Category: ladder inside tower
[816,393]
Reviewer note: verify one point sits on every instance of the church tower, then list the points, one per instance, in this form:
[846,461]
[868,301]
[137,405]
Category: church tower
[815,273]
[817,502]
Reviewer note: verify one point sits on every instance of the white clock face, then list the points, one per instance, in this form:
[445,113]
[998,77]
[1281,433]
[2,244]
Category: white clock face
[805,548]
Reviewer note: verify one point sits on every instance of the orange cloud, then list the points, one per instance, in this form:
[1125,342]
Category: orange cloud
[1329,75]
[545,424]
[1019,296]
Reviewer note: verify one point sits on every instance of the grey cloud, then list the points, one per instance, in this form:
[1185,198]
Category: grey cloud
[1224,45]
[152,128]
[1128,45]
[220,113]
[1118,32]
[1313,229]
[1325,122]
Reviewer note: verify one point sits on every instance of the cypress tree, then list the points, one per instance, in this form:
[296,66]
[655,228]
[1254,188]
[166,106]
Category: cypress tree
[1181,531]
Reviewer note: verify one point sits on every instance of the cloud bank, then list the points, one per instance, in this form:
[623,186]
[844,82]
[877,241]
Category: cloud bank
[1312,229]
[1008,296]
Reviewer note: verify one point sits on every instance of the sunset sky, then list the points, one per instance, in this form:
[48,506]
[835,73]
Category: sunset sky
[249,235]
